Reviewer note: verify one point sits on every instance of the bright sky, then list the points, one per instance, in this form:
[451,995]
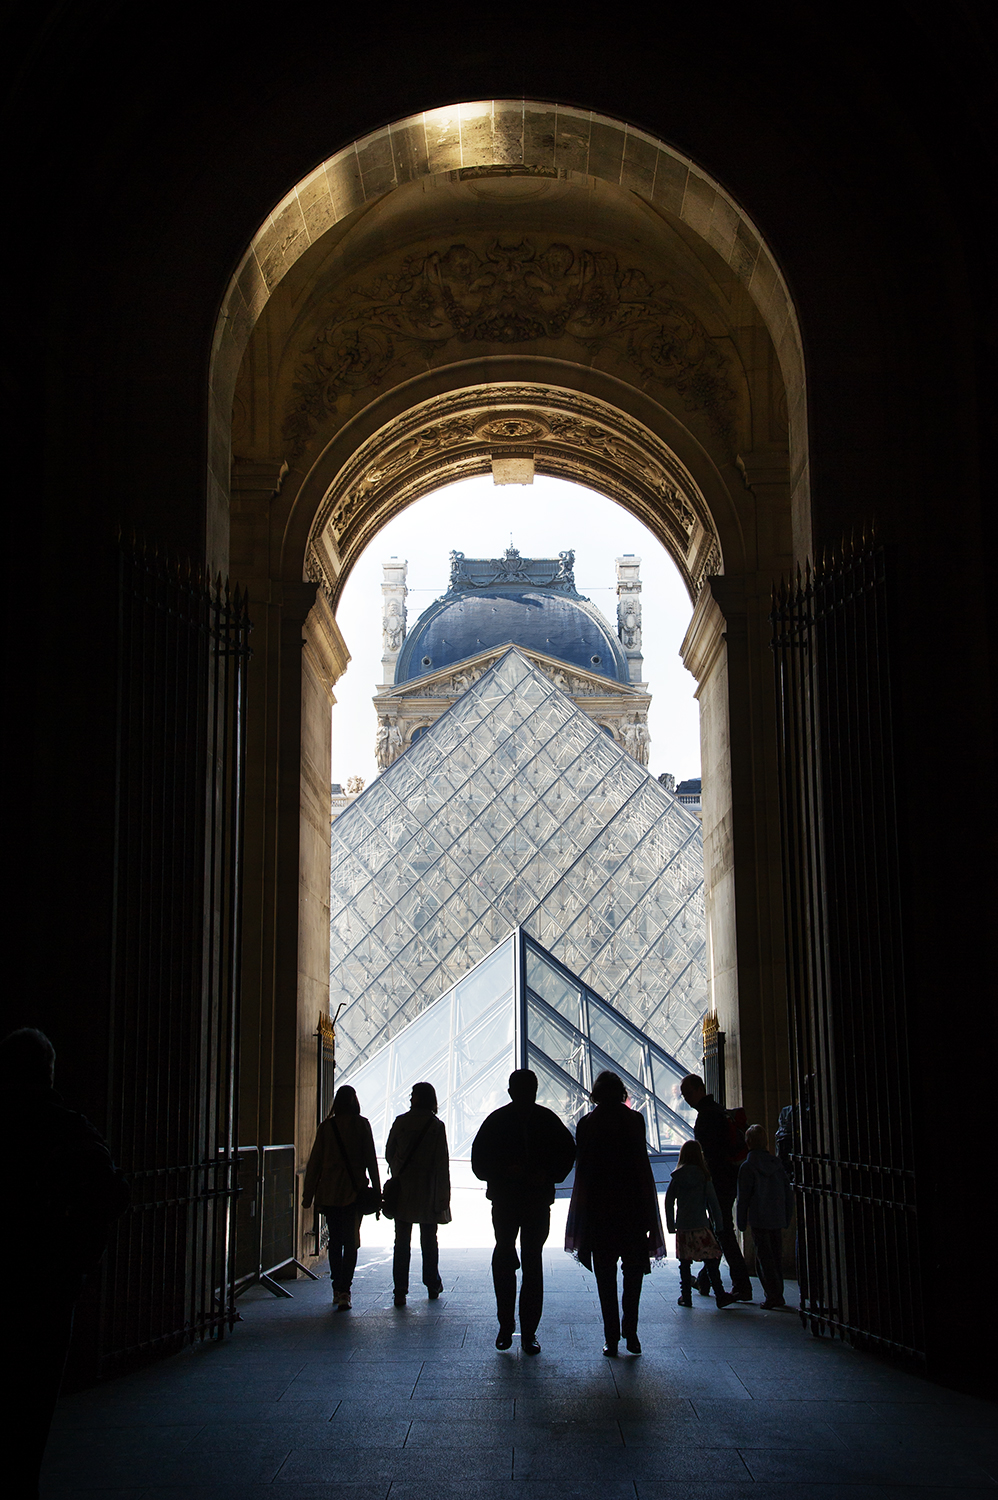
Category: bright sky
[480,519]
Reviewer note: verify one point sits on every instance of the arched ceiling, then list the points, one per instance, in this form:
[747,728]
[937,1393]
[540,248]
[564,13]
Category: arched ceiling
[570,253]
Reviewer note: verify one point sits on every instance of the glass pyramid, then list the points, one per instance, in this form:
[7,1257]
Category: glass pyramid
[520,1008]
[516,809]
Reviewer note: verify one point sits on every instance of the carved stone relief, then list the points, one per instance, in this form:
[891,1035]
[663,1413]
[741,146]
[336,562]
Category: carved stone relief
[507,293]
[571,436]
[616,707]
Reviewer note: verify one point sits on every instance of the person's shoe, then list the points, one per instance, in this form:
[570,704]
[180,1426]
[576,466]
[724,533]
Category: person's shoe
[702,1284]
[743,1293]
[770,1306]
[529,1344]
[434,1291]
[725,1299]
[400,1299]
[632,1344]
[504,1338]
[610,1348]
[684,1300]
[343,1303]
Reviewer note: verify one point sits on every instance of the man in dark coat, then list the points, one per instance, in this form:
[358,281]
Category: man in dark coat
[713,1133]
[521,1152]
[59,1185]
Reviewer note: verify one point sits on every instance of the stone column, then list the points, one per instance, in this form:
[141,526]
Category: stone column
[727,650]
[629,614]
[393,619]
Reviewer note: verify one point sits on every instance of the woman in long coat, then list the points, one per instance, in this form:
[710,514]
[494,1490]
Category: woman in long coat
[613,1215]
[340,1160]
[417,1155]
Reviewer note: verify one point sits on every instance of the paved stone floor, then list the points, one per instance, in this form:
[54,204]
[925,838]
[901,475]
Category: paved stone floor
[303,1403]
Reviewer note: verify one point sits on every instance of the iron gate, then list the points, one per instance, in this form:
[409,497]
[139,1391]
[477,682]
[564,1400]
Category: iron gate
[854,1163]
[183,649]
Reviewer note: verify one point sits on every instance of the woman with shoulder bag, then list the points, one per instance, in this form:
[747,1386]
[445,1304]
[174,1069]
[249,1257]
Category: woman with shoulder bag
[418,1191]
[340,1161]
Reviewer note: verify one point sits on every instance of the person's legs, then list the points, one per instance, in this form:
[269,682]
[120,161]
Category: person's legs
[431,1255]
[605,1270]
[713,1269]
[334,1249]
[400,1259]
[505,1264]
[633,1278]
[341,1229]
[741,1284]
[769,1256]
[349,1237]
[535,1224]
[685,1283]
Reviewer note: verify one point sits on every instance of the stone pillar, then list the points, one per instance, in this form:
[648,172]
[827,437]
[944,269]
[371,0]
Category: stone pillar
[727,650]
[393,618]
[324,658]
[629,614]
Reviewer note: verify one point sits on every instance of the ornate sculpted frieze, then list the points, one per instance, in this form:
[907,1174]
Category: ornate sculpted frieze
[507,294]
[570,435]
[403,711]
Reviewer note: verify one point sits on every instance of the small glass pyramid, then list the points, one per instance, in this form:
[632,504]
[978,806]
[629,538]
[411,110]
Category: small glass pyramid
[516,809]
[520,1008]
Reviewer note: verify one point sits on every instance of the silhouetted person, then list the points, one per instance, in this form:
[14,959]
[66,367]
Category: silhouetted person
[520,1152]
[713,1133]
[614,1213]
[765,1205]
[417,1154]
[694,1216]
[341,1160]
[60,1187]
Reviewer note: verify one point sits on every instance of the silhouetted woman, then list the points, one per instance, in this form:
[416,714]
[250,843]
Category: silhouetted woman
[613,1215]
[340,1161]
[417,1155]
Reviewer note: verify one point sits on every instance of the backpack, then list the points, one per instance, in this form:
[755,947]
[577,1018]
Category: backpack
[737,1126]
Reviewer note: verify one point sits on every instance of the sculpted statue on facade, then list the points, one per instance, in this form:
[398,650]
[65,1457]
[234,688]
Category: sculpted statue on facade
[629,622]
[381,746]
[393,625]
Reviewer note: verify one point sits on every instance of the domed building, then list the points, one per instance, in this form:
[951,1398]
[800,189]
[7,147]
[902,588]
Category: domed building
[491,604]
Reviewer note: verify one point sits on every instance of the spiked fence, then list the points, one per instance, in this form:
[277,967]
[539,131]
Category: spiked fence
[854,1161]
[183,650]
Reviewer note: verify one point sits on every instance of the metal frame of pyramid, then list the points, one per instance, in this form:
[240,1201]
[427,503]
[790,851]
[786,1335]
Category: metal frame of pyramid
[520,1008]
[516,810]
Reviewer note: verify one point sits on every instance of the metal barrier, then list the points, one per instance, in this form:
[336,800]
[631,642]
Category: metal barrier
[266,1233]
[854,1163]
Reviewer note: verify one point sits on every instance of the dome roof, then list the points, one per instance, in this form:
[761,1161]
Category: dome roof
[545,615]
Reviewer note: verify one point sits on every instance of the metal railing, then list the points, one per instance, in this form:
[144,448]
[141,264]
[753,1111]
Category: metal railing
[854,1163]
[182,654]
[266,1218]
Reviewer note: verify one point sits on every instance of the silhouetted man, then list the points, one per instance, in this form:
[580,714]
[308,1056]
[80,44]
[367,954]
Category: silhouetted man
[59,1186]
[713,1132]
[520,1152]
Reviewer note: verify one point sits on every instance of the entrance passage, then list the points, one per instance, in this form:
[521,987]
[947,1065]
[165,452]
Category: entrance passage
[382,1403]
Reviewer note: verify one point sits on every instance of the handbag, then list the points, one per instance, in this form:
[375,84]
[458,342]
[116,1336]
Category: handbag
[390,1196]
[368,1198]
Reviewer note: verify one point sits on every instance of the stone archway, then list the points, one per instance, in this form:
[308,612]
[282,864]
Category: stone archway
[621,324]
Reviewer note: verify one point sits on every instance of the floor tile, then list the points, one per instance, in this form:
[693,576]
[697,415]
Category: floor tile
[302,1404]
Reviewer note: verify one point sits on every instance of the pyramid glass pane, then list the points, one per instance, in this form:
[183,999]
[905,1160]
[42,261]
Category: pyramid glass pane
[516,809]
[501,1016]
[464,1044]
